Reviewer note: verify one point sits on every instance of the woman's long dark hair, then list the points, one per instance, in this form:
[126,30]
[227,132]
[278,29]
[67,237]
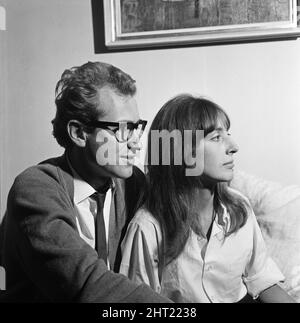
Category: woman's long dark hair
[169,192]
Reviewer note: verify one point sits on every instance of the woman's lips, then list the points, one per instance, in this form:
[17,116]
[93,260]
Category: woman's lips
[229,165]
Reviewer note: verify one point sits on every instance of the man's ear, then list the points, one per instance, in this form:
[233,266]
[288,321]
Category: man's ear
[76,133]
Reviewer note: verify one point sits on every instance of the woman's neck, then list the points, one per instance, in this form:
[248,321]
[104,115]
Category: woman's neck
[204,209]
[204,202]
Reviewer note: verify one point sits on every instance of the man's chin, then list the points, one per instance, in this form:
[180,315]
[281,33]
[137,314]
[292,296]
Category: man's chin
[122,171]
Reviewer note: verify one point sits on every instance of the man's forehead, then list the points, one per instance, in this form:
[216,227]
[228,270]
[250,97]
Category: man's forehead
[115,106]
[110,95]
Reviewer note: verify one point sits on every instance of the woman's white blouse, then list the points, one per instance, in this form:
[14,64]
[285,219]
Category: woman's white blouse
[215,271]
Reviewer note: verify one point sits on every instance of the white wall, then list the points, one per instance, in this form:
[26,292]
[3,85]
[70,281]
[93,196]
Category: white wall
[258,84]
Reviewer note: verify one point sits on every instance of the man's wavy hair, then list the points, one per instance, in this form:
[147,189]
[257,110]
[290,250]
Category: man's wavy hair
[77,95]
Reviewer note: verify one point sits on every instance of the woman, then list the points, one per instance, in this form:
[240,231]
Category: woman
[193,238]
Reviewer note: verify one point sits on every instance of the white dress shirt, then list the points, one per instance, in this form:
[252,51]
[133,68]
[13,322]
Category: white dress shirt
[87,210]
[223,269]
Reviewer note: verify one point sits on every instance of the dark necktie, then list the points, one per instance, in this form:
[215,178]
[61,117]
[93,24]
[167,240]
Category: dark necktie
[100,243]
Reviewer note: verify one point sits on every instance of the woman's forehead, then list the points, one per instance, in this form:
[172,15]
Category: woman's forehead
[222,125]
[219,121]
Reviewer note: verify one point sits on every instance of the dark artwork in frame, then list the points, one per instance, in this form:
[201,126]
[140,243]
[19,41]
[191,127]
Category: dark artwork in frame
[154,15]
[298,13]
[144,23]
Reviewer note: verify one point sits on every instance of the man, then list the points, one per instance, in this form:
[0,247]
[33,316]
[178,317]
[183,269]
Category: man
[66,217]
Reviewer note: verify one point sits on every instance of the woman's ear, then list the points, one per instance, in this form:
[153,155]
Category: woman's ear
[76,133]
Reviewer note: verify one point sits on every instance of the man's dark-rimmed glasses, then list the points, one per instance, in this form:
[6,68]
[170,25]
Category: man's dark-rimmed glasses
[124,130]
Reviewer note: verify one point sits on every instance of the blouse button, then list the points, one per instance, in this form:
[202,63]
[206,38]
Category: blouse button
[209,268]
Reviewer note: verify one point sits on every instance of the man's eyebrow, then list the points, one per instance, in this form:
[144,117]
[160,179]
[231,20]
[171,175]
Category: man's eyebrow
[129,121]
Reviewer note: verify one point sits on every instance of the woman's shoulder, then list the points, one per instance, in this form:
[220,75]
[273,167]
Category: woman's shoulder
[145,224]
[237,194]
[143,217]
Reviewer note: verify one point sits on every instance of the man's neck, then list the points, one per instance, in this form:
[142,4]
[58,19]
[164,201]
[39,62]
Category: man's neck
[77,162]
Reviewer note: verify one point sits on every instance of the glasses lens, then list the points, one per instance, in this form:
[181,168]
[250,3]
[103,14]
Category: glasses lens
[123,133]
[140,130]
[127,129]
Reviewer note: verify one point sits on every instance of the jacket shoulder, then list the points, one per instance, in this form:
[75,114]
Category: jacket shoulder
[44,174]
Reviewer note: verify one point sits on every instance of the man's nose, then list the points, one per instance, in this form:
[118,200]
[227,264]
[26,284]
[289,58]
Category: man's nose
[134,143]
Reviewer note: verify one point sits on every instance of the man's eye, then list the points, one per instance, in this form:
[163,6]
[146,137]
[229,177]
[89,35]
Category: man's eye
[113,129]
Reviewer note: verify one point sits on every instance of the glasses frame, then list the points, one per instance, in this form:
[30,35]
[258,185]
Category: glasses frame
[118,125]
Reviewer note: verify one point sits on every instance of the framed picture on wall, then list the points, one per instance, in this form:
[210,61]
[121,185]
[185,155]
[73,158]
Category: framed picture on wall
[298,13]
[147,23]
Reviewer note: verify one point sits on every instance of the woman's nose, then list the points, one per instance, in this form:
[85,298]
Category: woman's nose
[232,146]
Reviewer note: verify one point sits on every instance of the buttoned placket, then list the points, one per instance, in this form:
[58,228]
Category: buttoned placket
[217,234]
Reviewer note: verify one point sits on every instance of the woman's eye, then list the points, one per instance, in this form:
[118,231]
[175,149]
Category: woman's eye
[216,138]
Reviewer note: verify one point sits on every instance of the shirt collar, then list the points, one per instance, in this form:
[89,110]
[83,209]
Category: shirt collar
[221,223]
[82,189]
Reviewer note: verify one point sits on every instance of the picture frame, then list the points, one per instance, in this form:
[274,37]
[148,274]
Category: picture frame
[298,13]
[163,23]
